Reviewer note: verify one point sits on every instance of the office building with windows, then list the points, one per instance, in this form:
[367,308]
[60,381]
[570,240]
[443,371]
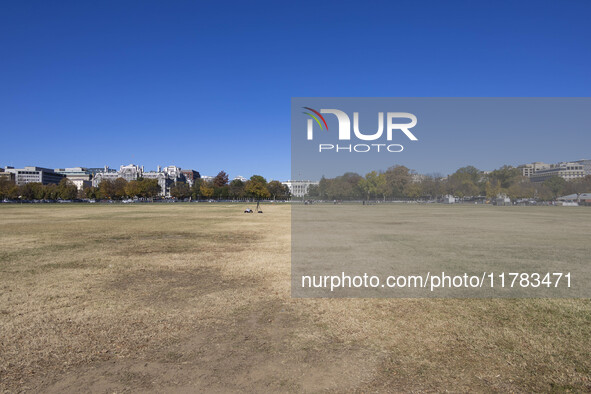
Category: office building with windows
[568,170]
[34,175]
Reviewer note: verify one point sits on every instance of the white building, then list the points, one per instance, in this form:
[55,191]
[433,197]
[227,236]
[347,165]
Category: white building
[166,177]
[34,175]
[79,176]
[529,169]
[299,188]
[173,172]
[567,170]
[586,166]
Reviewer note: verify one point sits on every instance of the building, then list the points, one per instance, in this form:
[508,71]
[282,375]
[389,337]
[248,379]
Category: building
[566,170]
[528,170]
[172,172]
[166,176]
[34,175]
[8,176]
[95,170]
[130,172]
[190,176]
[586,166]
[539,172]
[299,188]
[79,176]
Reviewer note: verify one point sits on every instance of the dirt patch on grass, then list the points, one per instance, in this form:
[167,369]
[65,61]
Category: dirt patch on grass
[172,286]
[270,346]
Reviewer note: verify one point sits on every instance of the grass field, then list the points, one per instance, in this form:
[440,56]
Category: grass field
[186,297]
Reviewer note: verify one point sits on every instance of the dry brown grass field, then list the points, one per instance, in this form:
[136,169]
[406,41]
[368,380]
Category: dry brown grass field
[196,297]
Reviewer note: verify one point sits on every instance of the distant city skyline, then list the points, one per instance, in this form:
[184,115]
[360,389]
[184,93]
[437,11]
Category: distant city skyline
[244,175]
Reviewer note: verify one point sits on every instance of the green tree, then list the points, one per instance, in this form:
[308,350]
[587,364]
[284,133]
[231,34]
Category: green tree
[556,185]
[344,187]
[412,190]
[206,190]
[220,185]
[578,186]
[106,189]
[314,191]
[492,188]
[469,172]
[505,175]
[27,191]
[196,189]
[464,182]
[323,188]
[382,188]
[39,191]
[278,190]
[6,188]
[67,190]
[51,191]
[522,189]
[92,192]
[396,178]
[432,186]
[236,189]
[256,187]
[369,184]
[119,189]
[149,187]
[180,190]
[133,189]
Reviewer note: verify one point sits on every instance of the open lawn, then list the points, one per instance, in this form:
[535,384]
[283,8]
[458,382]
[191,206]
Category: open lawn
[186,297]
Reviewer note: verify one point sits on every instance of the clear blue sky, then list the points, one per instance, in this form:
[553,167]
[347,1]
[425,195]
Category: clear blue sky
[207,84]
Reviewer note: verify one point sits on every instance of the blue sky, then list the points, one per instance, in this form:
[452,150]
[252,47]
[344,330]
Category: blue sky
[207,85]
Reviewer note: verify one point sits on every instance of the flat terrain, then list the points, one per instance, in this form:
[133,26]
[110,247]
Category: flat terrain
[186,297]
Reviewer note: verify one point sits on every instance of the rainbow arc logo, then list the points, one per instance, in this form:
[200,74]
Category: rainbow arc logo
[315,118]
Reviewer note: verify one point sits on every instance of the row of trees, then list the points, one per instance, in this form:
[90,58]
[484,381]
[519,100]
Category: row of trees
[469,181]
[219,187]
[394,183]
[65,190]
[120,189]
[400,182]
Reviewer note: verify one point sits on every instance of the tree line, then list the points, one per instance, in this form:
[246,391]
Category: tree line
[397,182]
[400,182]
[65,190]
[219,188]
[119,189]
